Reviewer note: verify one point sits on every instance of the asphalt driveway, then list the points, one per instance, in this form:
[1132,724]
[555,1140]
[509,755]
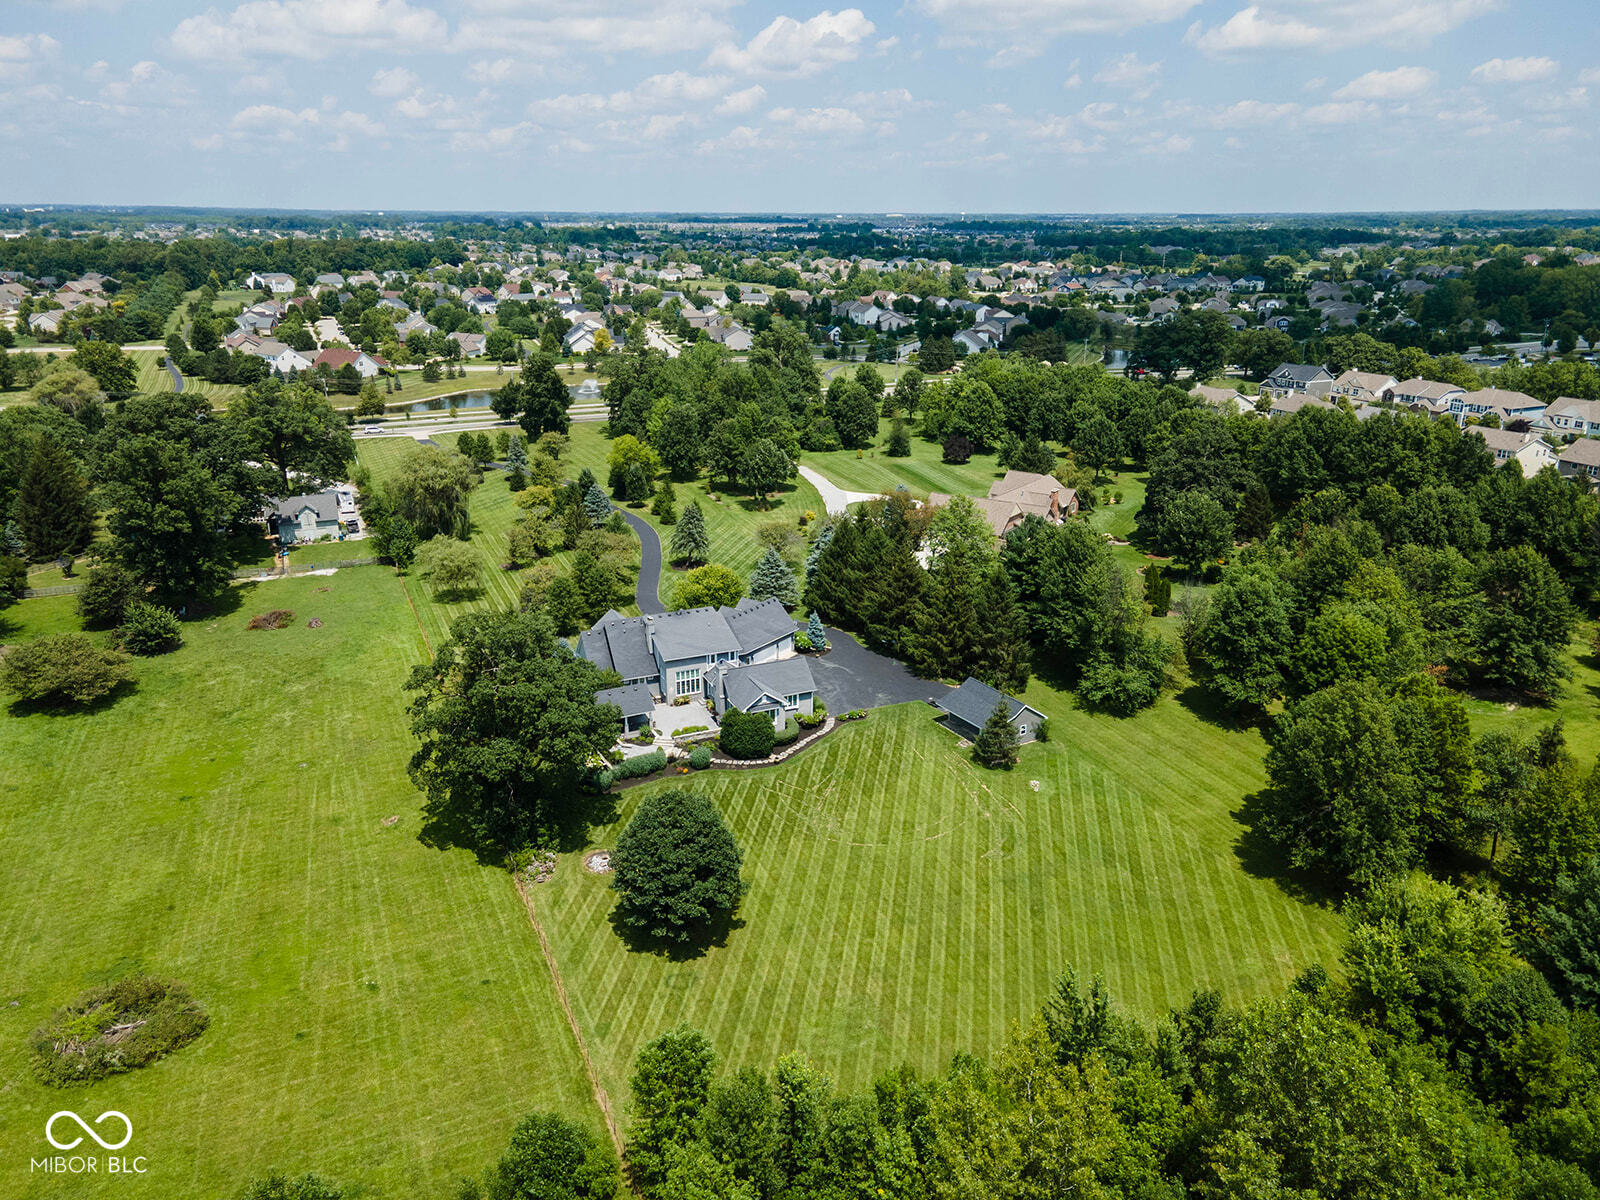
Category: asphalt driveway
[648,591]
[851,676]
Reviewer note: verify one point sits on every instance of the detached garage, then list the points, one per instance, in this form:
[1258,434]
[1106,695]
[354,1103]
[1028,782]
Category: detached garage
[968,708]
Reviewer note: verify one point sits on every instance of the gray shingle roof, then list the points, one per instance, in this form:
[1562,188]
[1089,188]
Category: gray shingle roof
[974,701]
[692,633]
[1301,372]
[757,623]
[634,699]
[326,505]
[743,687]
[620,644]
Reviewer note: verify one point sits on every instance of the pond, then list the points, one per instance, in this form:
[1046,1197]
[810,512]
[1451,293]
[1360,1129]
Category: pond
[461,400]
[1116,359]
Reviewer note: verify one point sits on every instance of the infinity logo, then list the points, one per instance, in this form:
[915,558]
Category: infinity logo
[83,1125]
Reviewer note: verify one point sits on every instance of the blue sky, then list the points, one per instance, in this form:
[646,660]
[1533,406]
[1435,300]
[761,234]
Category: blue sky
[930,105]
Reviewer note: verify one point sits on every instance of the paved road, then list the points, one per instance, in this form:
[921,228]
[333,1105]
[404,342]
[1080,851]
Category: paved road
[851,676]
[648,591]
[835,499]
[177,376]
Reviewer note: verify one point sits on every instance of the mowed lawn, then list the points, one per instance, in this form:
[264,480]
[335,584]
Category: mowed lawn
[380,1009]
[905,905]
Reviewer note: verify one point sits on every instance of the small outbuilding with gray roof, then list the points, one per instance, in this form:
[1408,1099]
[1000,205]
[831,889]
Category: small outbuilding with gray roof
[969,707]
[635,701]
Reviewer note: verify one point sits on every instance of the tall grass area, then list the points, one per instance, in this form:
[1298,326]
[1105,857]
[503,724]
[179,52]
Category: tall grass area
[380,1009]
[905,904]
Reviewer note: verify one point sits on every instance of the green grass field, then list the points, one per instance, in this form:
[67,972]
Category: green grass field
[904,904]
[380,1009]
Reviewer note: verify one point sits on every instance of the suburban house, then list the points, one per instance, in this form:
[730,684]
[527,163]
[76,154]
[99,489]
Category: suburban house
[968,709]
[1574,416]
[335,357]
[635,701]
[1018,494]
[1581,459]
[1508,406]
[1530,450]
[275,282]
[719,655]
[1363,387]
[1288,405]
[471,344]
[1299,377]
[974,341]
[1427,393]
[302,519]
[780,688]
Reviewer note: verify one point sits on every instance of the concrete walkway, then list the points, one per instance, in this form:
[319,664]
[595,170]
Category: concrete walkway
[648,591]
[835,499]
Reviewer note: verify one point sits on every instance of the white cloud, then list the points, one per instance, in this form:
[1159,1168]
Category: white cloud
[741,101]
[1025,27]
[678,89]
[392,81]
[1398,84]
[1515,70]
[1344,112]
[1589,75]
[1333,24]
[21,47]
[1245,113]
[1130,73]
[797,48]
[539,30]
[831,121]
[313,29]
[496,70]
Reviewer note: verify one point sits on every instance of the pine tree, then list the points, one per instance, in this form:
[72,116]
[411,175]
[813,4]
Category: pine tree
[11,543]
[899,441]
[52,505]
[997,743]
[1157,590]
[665,506]
[517,454]
[690,542]
[595,505]
[819,547]
[831,584]
[1001,657]
[817,634]
[773,580]
[892,604]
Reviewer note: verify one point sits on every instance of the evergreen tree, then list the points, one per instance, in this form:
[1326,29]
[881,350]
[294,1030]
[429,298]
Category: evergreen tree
[11,542]
[516,453]
[819,547]
[891,605]
[1157,590]
[816,632]
[1001,655]
[899,440]
[836,585]
[595,506]
[665,506]
[996,744]
[690,542]
[52,506]
[772,579]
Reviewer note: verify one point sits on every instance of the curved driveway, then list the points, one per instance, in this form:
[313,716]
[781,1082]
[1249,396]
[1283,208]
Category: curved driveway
[648,591]
[177,376]
[834,498]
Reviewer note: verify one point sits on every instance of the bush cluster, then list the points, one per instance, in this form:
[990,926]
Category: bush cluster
[747,735]
[700,757]
[149,629]
[818,714]
[787,734]
[118,1027]
[633,768]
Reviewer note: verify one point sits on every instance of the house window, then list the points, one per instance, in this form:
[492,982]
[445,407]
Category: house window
[686,683]
[1022,730]
[792,701]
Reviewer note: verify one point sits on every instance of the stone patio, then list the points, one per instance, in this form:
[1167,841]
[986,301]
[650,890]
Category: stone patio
[668,718]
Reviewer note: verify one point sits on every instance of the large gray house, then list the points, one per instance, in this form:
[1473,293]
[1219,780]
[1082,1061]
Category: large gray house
[740,657]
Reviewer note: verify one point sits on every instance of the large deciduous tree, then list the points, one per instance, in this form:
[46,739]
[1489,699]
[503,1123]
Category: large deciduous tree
[536,399]
[430,492]
[676,868]
[294,429]
[508,723]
